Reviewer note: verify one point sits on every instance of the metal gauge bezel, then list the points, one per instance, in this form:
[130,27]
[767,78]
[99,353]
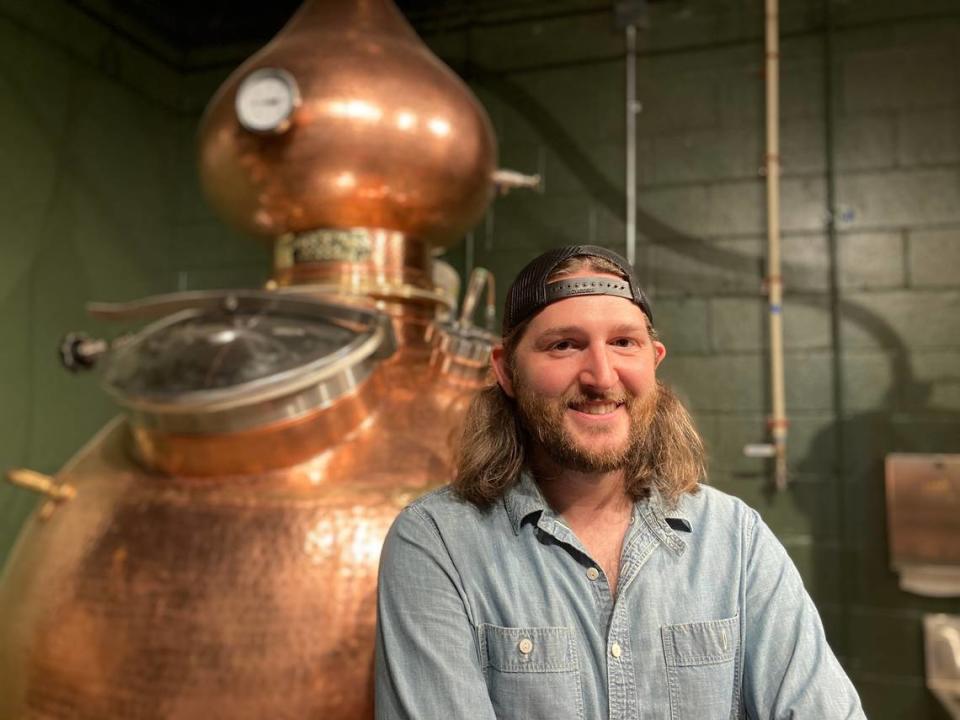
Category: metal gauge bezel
[281,87]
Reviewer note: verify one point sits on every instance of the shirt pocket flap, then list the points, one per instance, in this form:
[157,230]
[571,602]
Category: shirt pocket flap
[702,643]
[544,649]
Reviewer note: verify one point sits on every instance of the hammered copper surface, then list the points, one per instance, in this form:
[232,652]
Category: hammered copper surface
[233,576]
[245,596]
[386,136]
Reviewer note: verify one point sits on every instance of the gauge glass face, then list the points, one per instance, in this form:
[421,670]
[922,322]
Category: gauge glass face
[266,99]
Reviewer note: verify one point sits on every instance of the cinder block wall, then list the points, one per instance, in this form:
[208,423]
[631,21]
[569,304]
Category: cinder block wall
[870,124]
[101,201]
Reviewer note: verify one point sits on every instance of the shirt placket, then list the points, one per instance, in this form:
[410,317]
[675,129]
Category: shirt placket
[621,665]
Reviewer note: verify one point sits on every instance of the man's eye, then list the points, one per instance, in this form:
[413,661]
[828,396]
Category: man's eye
[562,345]
[625,342]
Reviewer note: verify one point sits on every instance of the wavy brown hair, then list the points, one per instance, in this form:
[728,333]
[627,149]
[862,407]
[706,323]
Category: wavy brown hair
[494,446]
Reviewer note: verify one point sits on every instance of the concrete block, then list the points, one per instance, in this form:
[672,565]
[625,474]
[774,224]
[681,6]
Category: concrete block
[706,267]
[802,204]
[887,642]
[728,383]
[801,147]
[904,321]
[805,262]
[676,100]
[869,381]
[806,509]
[870,260]
[937,383]
[741,324]
[808,376]
[737,208]
[596,169]
[886,697]
[928,137]
[821,567]
[864,142]
[672,211]
[682,324]
[541,221]
[586,101]
[706,155]
[812,446]
[801,89]
[898,198]
[565,39]
[607,227]
[933,258]
[899,77]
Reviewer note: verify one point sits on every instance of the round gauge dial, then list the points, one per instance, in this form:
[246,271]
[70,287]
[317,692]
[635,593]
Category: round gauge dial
[266,100]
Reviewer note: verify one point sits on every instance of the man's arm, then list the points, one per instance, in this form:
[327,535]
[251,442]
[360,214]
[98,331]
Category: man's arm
[789,669]
[427,657]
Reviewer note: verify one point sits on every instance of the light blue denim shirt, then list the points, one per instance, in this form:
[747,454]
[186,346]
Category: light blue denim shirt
[503,614]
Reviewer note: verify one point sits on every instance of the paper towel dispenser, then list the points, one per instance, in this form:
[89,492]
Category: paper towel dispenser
[923,522]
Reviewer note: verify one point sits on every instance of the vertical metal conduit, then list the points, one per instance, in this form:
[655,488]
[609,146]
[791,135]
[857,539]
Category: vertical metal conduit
[778,418]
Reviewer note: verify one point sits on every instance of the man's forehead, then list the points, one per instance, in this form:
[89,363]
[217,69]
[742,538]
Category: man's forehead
[588,312]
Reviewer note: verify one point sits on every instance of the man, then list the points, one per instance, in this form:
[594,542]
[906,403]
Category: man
[576,568]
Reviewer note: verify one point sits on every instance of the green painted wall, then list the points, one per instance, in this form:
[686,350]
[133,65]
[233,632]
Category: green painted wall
[101,201]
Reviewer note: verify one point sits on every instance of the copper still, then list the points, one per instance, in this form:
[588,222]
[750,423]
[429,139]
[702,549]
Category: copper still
[212,553]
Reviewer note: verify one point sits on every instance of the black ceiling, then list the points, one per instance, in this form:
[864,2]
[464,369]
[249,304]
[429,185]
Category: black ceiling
[168,27]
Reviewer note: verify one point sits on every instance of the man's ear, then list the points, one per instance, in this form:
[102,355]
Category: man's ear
[659,352]
[498,360]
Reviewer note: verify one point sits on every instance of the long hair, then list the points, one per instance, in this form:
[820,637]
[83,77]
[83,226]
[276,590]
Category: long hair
[494,447]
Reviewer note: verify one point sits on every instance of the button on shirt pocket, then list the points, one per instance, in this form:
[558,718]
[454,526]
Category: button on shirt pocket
[702,662]
[532,672]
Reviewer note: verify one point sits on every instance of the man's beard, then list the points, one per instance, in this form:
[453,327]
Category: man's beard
[543,419]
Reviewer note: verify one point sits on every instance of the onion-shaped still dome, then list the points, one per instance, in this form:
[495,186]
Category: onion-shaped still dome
[347,120]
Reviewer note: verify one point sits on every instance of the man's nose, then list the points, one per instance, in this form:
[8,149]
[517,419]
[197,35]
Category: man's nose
[597,370]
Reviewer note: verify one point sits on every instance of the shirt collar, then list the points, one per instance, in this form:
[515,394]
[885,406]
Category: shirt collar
[523,500]
[668,524]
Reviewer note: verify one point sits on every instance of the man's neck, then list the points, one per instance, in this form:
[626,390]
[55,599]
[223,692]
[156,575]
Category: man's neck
[583,498]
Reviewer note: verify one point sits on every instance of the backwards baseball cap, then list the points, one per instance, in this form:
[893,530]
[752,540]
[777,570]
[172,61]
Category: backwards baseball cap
[530,291]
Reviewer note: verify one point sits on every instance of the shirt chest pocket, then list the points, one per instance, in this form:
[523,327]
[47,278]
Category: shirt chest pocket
[532,673]
[703,672]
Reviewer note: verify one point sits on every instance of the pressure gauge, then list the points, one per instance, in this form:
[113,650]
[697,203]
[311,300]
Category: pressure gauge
[266,100]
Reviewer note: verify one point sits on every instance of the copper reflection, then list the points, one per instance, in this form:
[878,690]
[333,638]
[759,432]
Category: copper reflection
[233,576]
[386,135]
[232,596]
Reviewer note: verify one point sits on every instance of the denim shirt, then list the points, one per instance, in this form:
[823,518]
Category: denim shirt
[502,613]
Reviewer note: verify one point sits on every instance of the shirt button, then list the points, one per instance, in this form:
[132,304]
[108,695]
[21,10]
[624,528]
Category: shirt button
[525,646]
[593,573]
[616,650]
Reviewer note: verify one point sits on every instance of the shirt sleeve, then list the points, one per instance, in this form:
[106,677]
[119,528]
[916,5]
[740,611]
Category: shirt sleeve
[789,669]
[427,654]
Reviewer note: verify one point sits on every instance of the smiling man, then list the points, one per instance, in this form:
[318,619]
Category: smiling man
[576,568]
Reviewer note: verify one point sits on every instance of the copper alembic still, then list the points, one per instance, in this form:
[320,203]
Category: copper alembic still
[212,552]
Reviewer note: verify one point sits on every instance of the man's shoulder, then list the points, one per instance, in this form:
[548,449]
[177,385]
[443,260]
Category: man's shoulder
[444,506]
[710,507]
